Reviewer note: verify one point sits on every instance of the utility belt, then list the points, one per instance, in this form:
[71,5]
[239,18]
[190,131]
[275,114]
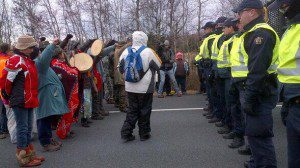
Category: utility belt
[207,63]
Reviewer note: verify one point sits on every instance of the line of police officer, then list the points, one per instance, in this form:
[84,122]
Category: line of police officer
[242,69]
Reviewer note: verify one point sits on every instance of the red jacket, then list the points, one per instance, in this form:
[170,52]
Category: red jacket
[21,64]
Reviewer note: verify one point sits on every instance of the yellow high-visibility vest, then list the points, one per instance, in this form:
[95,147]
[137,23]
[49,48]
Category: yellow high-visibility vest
[239,56]
[224,54]
[289,56]
[214,49]
[204,52]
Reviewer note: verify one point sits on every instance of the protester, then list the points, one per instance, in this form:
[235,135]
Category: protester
[4,56]
[168,58]
[181,71]
[139,88]
[22,102]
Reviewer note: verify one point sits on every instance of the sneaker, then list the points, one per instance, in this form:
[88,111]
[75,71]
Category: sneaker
[161,96]
[3,136]
[51,148]
[230,135]
[128,138]
[237,142]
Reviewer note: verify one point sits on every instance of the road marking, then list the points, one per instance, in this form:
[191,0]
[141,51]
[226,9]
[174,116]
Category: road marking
[178,109]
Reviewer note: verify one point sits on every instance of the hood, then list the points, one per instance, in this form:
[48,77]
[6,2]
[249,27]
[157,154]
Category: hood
[179,55]
[139,38]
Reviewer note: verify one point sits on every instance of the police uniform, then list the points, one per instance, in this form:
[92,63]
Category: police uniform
[203,59]
[254,62]
[289,76]
[223,71]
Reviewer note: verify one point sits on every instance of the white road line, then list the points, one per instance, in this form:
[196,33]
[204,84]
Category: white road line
[178,109]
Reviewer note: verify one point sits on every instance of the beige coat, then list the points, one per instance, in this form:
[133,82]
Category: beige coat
[118,77]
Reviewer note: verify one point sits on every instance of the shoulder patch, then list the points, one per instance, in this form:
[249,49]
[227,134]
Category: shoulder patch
[258,40]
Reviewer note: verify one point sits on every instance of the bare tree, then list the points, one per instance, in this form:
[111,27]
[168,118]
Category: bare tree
[5,23]
[26,15]
[51,18]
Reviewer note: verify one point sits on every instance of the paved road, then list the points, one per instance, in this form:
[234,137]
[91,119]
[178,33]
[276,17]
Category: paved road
[180,138]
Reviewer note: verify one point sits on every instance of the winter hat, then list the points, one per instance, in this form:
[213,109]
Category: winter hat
[179,55]
[167,43]
[25,42]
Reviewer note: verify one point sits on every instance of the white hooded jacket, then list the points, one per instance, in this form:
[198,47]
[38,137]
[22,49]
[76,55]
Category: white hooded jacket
[150,61]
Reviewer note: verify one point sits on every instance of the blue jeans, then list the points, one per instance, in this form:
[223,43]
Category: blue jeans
[24,118]
[163,74]
[44,130]
[3,119]
[181,81]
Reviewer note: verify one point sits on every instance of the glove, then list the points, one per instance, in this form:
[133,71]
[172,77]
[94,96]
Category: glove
[69,36]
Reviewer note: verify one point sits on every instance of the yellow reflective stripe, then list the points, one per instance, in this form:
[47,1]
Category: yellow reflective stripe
[292,71]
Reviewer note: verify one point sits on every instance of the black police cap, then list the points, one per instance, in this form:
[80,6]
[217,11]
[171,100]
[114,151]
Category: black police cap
[230,22]
[208,25]
[252,4]
[221,19]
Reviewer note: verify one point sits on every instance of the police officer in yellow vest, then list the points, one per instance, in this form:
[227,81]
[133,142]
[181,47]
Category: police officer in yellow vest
[289,76]
[203,59]
[253,65]
[224,74]
[218,109]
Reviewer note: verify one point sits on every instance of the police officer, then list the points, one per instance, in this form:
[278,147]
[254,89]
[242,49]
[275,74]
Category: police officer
[224,70]
[218,109]
[289,76]
[254,62]
[203,59]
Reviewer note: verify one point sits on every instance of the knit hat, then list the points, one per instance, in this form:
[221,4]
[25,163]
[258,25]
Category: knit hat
[25,42]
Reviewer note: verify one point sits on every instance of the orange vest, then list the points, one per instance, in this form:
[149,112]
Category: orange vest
[3,59]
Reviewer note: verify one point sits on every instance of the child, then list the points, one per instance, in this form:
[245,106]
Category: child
[181,70]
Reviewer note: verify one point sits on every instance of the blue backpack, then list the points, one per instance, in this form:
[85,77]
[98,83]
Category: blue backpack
[134,71]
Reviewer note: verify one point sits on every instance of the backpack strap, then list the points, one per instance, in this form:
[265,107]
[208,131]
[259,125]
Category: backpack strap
[130,51]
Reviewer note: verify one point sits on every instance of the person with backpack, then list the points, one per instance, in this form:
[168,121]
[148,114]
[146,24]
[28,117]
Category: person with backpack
[181,71]
[138,64]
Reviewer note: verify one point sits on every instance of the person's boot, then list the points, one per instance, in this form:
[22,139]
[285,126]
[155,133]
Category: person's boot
[220,124]
[246,164]
[145,137]
[3,136]
[51,148]
[230,135]
[97,117]
[237,142]
[206,114]
[84,122]
[55,142]
[103,112]
[245,151]
[25,160]
[224,130]
[179,94]
[211,116]
[213,120]
[128,138]
[33,154]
